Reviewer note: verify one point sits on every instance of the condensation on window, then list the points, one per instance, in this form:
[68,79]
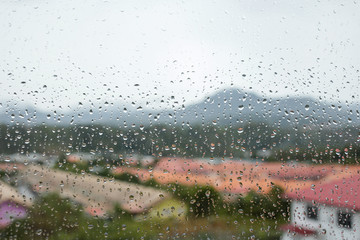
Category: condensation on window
[179,119]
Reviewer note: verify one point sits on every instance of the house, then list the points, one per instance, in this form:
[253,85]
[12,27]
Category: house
[328,210]
[24,158]
[80,157]
[97,194]
[13,205]
[147,160]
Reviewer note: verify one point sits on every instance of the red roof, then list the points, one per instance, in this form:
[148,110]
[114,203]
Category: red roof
[298,171]
[297,229]
[344,192]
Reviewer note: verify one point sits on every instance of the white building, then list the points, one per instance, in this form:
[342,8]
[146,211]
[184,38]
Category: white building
[80,157]
[326,211]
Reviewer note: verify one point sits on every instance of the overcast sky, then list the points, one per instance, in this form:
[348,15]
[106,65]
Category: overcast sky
[60,53]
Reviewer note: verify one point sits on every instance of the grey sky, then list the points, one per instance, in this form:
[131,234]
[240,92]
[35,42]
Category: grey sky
[95,51]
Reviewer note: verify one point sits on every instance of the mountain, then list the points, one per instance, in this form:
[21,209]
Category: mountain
[233,106]
[229,106]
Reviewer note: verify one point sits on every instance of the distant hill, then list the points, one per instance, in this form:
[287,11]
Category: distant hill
[229,106]
[234,106]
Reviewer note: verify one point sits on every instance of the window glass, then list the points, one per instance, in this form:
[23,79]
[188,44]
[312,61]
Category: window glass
[344,219]
[312,212]
[179,119]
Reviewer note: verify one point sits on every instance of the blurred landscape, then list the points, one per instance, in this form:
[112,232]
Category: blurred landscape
[179,120]
[184,174]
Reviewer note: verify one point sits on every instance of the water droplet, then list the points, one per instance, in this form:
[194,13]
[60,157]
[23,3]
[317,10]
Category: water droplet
[207,193]
[39,232]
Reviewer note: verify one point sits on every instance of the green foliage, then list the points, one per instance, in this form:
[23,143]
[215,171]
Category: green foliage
[72,167]
[61,157]
[190,141]
[127,177]
[270,205]
[49,215]
[55,218]
[153,183]
[202,201]
[121,213]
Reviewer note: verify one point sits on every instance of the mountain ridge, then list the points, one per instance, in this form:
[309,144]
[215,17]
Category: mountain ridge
[224,107]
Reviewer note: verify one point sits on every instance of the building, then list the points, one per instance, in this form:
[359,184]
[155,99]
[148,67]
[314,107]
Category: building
[97,194]
[24,158]
[80,157]
[147,160]
[13,205]
[329,210]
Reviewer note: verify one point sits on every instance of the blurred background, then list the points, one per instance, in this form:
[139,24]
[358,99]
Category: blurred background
[179,119]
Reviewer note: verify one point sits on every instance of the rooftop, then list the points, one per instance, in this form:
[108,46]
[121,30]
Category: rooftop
[342,192]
